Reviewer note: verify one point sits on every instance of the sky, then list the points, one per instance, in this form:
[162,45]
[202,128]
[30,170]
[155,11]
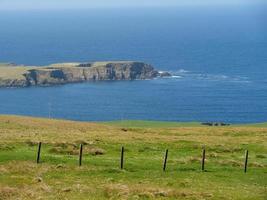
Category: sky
[78,4]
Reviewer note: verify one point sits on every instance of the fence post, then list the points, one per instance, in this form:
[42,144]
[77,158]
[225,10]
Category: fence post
[203,158]
[122,157]
[165,160]
[81,155]
[246,162]
[39,153]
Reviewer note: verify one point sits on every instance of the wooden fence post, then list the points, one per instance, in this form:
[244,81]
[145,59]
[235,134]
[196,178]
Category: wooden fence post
[246,162]
[39,153]
[203,158]
[81,155]
[165,160]
[122,157]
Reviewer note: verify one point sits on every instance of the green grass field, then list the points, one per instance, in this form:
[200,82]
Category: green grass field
[58,176]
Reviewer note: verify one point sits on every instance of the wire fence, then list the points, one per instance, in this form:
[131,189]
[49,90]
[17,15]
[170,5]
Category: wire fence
[165,159]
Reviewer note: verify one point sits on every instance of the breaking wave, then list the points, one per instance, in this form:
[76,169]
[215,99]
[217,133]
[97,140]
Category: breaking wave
[185,74]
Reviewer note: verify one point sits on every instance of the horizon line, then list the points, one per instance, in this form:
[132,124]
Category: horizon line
[69,8]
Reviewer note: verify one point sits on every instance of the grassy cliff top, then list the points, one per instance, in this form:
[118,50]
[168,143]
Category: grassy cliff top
[13,71]
[58,176]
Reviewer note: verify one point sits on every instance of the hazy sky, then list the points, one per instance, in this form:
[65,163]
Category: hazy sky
[68,4]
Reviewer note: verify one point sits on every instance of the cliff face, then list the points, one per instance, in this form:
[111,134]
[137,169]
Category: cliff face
[61,74]
[13,83]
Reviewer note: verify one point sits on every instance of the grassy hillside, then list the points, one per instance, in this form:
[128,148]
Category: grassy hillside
[58,176]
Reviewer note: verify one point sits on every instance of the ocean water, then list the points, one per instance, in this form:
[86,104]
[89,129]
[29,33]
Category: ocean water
[217,55]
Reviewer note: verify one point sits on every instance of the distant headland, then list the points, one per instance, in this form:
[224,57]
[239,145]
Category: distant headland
[12,75]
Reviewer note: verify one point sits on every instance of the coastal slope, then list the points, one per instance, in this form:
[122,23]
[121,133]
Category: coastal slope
[59,176]
[12,75]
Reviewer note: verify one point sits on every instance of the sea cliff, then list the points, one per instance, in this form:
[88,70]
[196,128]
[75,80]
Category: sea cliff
[12,75]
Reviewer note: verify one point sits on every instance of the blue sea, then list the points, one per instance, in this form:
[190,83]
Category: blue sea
[217,56]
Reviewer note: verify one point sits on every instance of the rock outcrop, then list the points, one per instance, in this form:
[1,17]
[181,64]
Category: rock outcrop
[75,72]
[13,83]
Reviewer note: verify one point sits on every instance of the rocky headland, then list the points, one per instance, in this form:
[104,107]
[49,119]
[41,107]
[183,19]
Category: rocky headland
[12,75]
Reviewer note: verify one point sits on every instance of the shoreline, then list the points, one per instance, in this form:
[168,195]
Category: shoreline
[136,123]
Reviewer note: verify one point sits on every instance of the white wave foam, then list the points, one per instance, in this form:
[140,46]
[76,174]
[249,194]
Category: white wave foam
[183,71]
[180,71]
[185,74]
[176,76]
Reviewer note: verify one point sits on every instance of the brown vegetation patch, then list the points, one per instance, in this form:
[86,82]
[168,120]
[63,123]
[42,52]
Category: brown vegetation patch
[147,192]
[213,155]
[21,167]
[224,149]
[96,151]
[261,156]
[233,163]
[64,148]
[6,147]
[256,164]
[31,143]
[7,192]
[84,142]
[3,170]
[74,149]
[189,160]
[236,163]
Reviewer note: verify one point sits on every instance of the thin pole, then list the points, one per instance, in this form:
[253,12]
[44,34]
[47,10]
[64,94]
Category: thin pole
[165,160]
[246,162]
[122,157]
[39,152]
[81,155]
[203,158]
